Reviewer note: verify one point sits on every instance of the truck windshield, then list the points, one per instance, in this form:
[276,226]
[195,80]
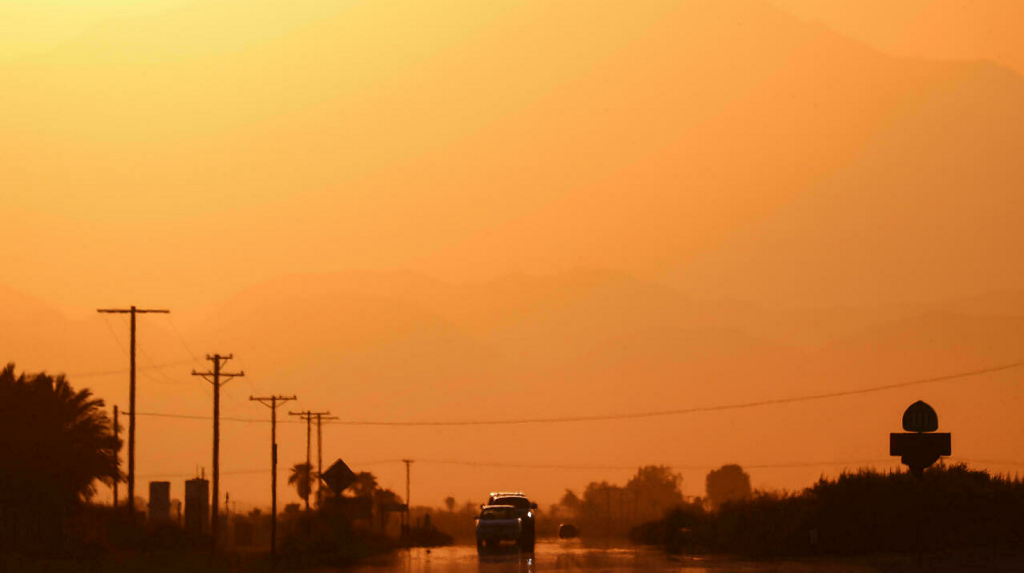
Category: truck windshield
[497,513]
[516,502]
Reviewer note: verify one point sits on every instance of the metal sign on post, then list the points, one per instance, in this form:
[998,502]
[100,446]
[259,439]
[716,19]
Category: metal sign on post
[338,477]
[920,446]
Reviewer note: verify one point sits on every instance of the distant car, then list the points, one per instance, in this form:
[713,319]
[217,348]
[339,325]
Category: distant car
[567,531]
[497,524]
[525,510]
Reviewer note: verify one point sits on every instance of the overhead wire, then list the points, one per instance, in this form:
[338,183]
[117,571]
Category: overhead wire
[630,468]
[648,414]
[695,409]
[181,340]
[125,370]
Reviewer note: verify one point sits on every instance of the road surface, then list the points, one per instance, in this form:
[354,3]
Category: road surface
[574,556]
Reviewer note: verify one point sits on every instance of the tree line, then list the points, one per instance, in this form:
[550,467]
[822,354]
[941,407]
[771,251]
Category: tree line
[857,513]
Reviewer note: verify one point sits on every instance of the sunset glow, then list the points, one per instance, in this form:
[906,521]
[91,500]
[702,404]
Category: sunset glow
[465,210]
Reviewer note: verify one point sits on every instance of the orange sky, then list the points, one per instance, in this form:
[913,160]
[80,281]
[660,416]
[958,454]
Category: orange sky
[563,208]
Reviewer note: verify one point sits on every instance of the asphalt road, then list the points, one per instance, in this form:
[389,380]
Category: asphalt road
[574,556]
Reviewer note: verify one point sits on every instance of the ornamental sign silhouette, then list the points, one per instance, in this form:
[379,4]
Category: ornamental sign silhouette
[920,417]
[921,446]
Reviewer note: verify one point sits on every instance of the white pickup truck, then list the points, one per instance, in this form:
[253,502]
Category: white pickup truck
[497,524]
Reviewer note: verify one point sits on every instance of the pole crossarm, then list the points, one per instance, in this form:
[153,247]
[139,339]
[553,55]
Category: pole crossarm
[271,401]
[220,360]
[311,415]
[132,310]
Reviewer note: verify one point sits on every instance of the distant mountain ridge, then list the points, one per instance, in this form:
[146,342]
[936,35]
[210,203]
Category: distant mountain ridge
[794,159]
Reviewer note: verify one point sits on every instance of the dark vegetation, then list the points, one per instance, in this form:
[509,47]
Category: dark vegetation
[607,510]
[56,443]
[316,539]
[857,513]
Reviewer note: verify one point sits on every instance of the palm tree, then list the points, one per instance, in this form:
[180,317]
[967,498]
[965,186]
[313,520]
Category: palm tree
[55,443]
[364,485]
[302,477]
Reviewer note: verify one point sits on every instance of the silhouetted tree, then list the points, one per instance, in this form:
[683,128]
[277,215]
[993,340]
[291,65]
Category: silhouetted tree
[727,483]
[302,477]
[56,442]
[654,489]
[450,503]
[570,501]
[857,512]
[364,485]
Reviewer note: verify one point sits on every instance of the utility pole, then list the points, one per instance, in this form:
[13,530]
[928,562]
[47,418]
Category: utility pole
[320,456]
[272,403]
[117,455]
[408,506]
[215,379]
[308,417]
[227,515]
[131,399]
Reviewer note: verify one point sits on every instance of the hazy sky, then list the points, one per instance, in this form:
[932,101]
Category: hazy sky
[811,173]
[221,143]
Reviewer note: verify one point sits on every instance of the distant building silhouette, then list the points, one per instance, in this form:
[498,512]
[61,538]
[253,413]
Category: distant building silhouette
[197,505]
[159,500]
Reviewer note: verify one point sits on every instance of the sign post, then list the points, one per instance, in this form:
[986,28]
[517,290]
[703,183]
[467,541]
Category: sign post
[919,447]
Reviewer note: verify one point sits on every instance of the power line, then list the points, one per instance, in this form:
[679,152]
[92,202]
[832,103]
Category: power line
[167,379]
[181,339]
[125,370]
[140,370]
[649,414]
[987,462]
[599,467]
[193,474]
[695,409]
[505,465]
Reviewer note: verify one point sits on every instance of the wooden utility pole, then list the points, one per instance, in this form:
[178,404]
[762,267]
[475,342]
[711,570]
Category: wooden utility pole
[215,379]
[320,456]
[308,417]
[227,515]
[272,402]
[131,398]
[408,506]
[117,455]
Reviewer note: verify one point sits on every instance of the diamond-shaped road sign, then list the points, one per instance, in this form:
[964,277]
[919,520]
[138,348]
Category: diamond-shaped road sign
[338,477]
